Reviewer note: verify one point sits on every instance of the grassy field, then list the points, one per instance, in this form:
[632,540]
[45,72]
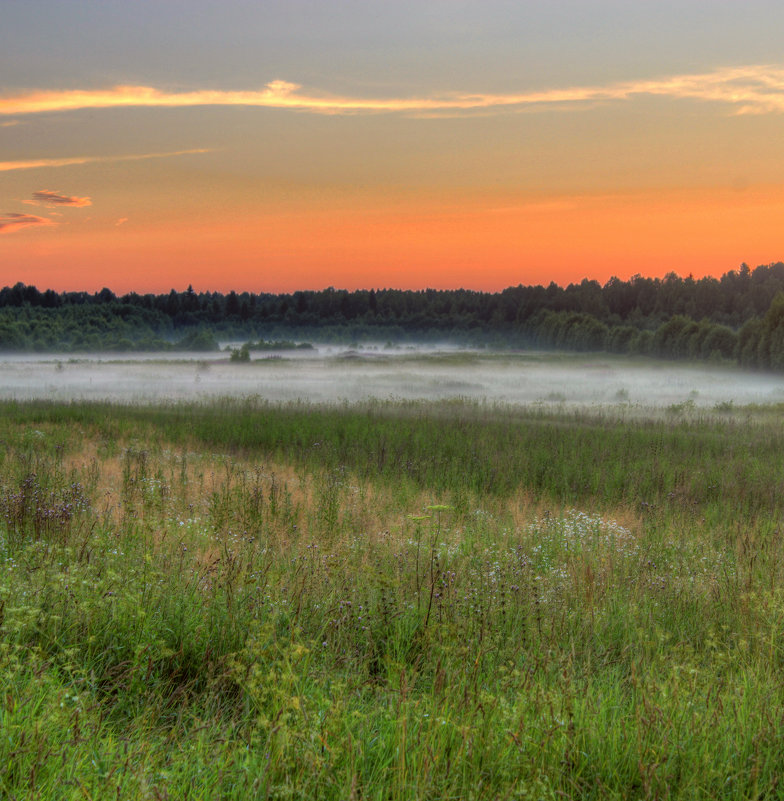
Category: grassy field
[390,601]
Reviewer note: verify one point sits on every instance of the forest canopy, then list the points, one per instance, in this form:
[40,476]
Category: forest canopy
[738,316]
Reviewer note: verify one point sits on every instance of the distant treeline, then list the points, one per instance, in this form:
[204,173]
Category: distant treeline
[739,316]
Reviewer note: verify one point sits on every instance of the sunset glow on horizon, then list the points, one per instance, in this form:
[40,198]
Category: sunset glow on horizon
[408,145]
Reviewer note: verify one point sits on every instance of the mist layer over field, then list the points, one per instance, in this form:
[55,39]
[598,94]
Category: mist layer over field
[331,375]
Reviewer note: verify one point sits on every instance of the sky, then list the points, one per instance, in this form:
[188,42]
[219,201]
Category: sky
[300,144]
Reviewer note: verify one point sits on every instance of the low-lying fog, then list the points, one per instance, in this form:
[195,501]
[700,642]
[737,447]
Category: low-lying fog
[335,374]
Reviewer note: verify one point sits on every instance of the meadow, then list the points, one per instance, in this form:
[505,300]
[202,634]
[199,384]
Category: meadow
[233,599]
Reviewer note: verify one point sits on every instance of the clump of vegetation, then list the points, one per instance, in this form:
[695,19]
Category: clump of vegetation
[241,354]
[390,600]
[279,344]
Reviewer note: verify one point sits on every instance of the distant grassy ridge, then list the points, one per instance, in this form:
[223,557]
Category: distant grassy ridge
[459,448]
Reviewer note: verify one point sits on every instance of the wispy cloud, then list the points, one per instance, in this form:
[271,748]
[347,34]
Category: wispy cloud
[11,222]
[748,89]
[121,221]
[32,164]
[45,197]
[9,123]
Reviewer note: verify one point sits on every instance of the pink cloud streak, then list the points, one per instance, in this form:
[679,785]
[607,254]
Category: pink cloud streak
[11,222]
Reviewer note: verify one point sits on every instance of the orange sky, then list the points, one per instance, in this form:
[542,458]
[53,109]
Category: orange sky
[482,247]
[422,145]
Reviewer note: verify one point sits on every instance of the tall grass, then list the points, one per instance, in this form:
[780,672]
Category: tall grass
[389,601]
